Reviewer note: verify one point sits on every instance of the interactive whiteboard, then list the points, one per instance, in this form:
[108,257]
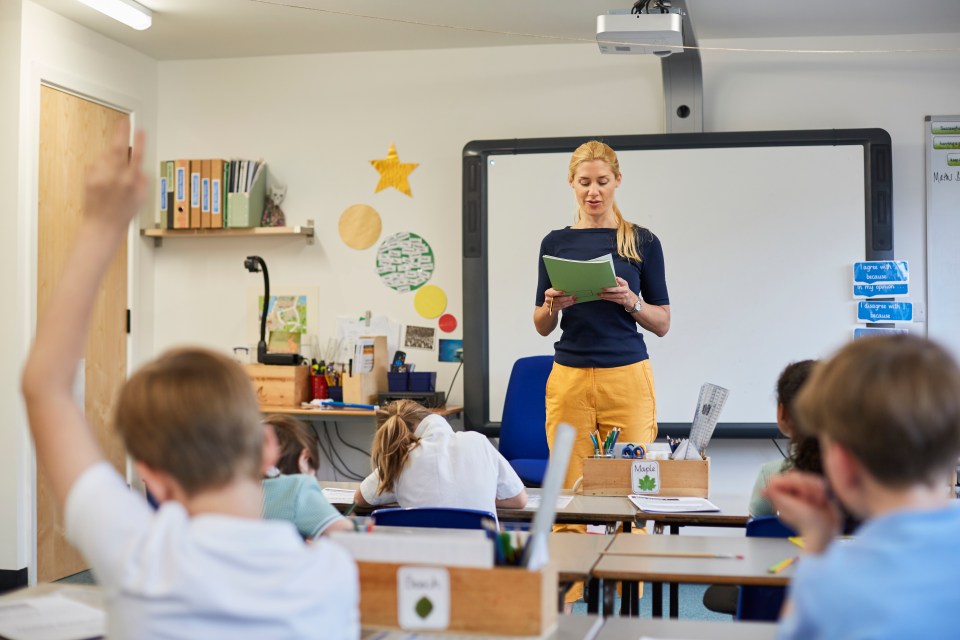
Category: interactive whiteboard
[759,232]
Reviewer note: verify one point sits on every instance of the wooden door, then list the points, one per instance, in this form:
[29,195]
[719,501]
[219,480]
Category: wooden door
[75,132]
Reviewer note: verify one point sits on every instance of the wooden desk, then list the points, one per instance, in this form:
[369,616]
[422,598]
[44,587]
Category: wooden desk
[569,627]
[759,554]
[733,513]
[451,410]
[632,628]
[582,510]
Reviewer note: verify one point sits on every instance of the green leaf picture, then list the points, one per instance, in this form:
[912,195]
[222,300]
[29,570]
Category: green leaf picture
[646,483]
[424,607]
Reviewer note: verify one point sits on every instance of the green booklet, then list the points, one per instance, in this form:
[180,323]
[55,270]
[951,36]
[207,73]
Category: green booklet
[583,279]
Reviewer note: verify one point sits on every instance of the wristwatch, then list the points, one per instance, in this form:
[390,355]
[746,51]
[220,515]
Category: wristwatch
[635,308]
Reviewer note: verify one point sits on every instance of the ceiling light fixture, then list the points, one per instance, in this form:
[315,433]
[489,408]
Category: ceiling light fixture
[128,12]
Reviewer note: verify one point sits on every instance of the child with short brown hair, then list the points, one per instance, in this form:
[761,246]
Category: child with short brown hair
[886,411]
[204,565]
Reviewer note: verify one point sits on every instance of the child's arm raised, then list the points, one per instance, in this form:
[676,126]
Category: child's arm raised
[115,191]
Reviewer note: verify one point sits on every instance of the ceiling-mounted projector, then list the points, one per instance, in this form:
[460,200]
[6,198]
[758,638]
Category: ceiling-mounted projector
[657,33]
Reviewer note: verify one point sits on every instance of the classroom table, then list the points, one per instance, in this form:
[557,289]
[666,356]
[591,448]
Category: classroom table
[733,513]
[640,558]
[667,629]
[608,510]
[569,627]
[574,555]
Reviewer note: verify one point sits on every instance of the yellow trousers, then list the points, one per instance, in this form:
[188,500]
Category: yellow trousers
[597,400]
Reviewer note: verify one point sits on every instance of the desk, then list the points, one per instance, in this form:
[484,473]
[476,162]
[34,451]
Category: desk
[582,510]
[759,554]
[569,627]
[631,629]
[575,555]
[733,513]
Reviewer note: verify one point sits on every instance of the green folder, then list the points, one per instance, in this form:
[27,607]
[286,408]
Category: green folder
[583,279]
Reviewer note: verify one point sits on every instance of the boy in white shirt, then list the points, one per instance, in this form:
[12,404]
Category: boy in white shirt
[204,565]
[420,461]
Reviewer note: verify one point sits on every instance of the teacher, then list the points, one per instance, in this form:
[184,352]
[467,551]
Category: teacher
[601,376]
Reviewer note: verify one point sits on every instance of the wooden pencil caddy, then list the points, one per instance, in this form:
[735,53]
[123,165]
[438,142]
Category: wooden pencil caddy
[678,478]
[364,388]
[504,601]
[280,386]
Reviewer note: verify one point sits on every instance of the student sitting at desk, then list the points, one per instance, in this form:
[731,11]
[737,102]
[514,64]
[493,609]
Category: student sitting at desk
[887,413]
[420,461]
[204,565]
[788,385]
[290,489]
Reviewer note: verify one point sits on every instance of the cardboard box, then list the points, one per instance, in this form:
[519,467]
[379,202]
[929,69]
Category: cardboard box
[611,477]
[280,386]
[503,601]
[364,388]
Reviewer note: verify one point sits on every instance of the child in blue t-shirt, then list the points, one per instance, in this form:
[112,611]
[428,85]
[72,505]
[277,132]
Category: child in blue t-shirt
[290,489]
[886,411]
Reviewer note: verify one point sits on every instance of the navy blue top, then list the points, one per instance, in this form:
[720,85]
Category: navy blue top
[601,333]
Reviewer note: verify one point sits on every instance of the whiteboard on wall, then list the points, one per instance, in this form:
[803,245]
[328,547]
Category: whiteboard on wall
[942,142]
[758,241]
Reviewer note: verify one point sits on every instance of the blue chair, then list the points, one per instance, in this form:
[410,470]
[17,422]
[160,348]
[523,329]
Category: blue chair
[434,517]
[523,435]
[763,603]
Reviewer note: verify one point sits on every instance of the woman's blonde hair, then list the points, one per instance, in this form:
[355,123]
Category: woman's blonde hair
[395,439]
[596,150]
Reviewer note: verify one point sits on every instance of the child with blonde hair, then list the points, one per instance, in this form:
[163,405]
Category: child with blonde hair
[420,461]
[205,565]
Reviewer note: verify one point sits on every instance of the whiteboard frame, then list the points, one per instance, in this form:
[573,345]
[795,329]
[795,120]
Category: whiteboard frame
[878,234]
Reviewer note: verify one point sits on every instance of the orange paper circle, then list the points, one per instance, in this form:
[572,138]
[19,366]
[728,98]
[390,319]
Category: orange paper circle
[359,226]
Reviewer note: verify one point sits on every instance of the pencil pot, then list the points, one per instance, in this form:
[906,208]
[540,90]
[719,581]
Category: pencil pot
[318,385]
[335,393]
[398,381]
[423,381]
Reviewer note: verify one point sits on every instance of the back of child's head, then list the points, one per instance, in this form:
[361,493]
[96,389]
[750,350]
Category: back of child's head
[193,414]
[394,439]
[294,437]
[791,379]
[893,402]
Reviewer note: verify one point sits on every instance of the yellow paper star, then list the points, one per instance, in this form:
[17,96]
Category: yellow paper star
[393,173]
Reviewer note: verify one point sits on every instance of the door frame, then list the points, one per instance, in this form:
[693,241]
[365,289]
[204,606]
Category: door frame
[28,256]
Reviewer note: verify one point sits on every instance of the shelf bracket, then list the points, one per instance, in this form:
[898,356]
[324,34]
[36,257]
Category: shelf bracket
[311,237]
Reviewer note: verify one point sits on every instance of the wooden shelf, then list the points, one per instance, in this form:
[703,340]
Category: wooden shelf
[159,234]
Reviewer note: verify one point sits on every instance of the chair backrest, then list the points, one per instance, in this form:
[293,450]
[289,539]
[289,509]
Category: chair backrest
[522,429]
[763,603]
[433,517]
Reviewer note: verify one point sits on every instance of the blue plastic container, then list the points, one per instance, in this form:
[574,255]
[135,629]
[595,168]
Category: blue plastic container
[423,381]
[398,381]
[335,393]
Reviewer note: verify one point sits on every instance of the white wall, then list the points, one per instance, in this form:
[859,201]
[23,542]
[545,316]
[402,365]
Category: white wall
[318,119]
[12,460]
[57,51]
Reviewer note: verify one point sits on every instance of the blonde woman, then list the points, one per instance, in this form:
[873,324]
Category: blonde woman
[601,376]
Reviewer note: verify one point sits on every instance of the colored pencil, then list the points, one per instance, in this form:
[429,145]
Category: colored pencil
[783,564]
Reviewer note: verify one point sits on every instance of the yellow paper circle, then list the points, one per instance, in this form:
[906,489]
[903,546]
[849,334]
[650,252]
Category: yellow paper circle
[430,301]
[359,226]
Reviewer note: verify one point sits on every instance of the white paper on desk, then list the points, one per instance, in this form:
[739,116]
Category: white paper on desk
[652,504]
[50,617]
[335,495]
[533,502]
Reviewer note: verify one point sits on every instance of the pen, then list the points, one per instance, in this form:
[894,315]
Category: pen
[550,311]
[783,564]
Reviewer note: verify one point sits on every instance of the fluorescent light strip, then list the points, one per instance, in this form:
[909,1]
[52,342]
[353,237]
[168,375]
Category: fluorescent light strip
[128,12]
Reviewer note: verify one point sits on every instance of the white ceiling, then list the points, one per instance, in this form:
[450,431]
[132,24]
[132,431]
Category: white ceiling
[191,29]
